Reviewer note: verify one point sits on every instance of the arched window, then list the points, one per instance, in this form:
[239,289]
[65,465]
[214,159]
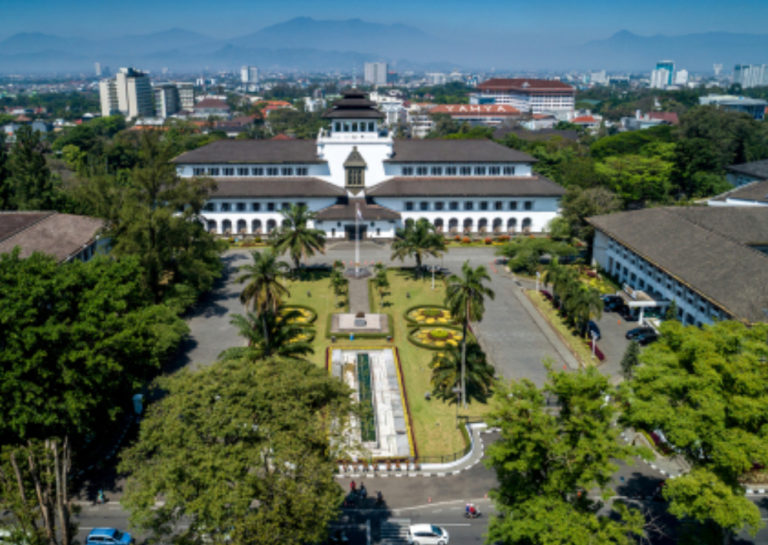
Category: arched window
[241,226]
[468,225]
[271,224]
[526,225]
[226,226]
[482,225]
[212,226]
[439,225]
[453,225]
[497,223]
[256,227]
[511,225]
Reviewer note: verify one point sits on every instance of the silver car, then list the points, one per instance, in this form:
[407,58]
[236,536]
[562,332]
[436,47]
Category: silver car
[427,534]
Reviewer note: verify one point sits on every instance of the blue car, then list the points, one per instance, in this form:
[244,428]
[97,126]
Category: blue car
[108,536]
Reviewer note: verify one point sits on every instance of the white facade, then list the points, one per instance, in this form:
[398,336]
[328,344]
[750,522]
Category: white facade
[639,274]
[375,73]
[186,95]
[108,97]
[130,94]
[750,75]
[660,78]
[167,100]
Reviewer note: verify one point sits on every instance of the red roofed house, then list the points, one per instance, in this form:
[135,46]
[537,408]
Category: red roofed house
[211,107]
[527,95]
[491,115]
[587,121]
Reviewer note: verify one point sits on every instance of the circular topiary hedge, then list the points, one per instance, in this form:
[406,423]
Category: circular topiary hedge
[428,315]
[308,314]
[435,338]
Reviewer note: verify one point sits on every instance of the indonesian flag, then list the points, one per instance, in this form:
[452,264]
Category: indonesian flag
[357,211]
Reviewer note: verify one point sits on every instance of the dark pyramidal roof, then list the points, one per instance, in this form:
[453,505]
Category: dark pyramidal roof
[354,105]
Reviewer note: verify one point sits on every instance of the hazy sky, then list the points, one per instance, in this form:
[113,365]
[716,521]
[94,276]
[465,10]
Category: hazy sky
[564,20]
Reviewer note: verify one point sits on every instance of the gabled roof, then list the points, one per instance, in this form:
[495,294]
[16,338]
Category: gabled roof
[462,186]
[756,169]
[751,192]
[348,210]
[705,248]
[252,151]
[354,105]
[58,235]
[275,187]
[354,159]
[212,103]
[455,151]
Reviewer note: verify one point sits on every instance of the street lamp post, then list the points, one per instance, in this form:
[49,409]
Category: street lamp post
[593,334]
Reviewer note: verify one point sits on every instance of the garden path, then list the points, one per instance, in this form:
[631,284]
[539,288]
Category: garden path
[358,295]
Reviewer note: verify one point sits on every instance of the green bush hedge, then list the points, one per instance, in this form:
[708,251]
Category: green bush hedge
[430,326]
[304,307]
[415,307]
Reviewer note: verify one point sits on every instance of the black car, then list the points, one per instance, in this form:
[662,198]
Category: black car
[633,334]
[593,331]
[647,337]
[612,303]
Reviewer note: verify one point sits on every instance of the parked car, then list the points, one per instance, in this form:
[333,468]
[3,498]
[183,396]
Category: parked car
[591,330]
[629,314]
[647,337]
[613,303]
[632,334]
[108,536]
[427,534]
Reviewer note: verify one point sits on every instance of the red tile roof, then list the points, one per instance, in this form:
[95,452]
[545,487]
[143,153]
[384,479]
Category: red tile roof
[524,84]
[584,119]
[212,103]
[669,117]
[475,109]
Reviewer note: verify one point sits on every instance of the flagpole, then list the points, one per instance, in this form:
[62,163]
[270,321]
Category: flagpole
[357,240]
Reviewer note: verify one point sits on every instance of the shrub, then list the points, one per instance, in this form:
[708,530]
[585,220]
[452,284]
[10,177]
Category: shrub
[503,238]
[457,238]
[488,240]
[257,239]
[466,240]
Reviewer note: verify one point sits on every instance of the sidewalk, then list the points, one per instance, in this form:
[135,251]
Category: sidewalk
[358,295]
[475,454]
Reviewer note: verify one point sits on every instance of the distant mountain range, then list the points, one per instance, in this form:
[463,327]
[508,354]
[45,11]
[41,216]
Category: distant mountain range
[306,44]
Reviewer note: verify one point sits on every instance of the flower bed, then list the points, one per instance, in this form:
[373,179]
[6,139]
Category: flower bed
[306,315]
[428,315]
[367,422]
[436,338]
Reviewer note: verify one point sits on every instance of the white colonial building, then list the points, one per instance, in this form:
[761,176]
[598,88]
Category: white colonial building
[461,186]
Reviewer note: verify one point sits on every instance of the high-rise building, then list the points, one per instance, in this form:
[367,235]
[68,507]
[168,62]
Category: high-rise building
[661,77]
[108,97]
[249,75]
[375,73]
[750,75]
[186,95]
[167,100]
[436,78]
[97,69]
[133,93]
[681,77]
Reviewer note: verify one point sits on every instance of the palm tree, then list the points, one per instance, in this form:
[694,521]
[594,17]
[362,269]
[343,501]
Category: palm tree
[380,280]
[264,289]
[295,237]
[417,239]
[582,303]
[446,371]
[562,278]
[339,283]
[283,338]
[465,298]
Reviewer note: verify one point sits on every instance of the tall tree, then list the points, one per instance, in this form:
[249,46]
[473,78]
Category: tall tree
[33,186]
[6,189]
[158,221]
[264,289]
[380,280]
[525,253]
[285,337]
[446,374]
[630,359]
[241,454]
[465,298]
[417,239]
[707,390]
[581,303]
[546,461]
[295,236]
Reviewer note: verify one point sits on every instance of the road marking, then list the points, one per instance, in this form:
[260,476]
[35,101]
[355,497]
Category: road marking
[437,511]
[455,524]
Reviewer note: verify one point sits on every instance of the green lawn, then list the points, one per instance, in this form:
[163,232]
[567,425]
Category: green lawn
[433,421]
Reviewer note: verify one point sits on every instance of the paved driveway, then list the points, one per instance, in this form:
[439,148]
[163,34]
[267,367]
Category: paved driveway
[512,335]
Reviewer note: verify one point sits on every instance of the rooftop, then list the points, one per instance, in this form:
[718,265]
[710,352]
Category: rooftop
[58,235]
[757,169]
[524,84]
[354,105]
[252,151]
[753,192]
[455,186]
[706,248]
[347,211]
[275,187]
[453,151]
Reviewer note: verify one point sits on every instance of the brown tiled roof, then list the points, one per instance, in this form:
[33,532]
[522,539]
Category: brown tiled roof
[454,151]
[353,105]
[275,187]
[705,248]
[347,211]
[212,103]
[58,235]
[461,186]
[753,191]
[757,169]
[524,84]
[252,151]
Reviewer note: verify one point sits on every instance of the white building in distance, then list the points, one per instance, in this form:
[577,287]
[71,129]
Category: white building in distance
[534,96]
[167,100]
[460,186]
[750,75]
[129,94]
[375,73]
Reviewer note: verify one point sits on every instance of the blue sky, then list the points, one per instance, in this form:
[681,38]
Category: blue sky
[567,21]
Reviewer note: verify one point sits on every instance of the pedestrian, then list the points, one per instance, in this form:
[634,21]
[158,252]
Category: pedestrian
[353,487]
[100,496]
[363,491]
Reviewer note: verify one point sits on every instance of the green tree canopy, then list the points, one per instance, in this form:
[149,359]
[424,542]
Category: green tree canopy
[525,253]
[296,237]
[417,239]
[546,461]
[242,453]
[31,183]
[707,390]
[284,337]
[446,374]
